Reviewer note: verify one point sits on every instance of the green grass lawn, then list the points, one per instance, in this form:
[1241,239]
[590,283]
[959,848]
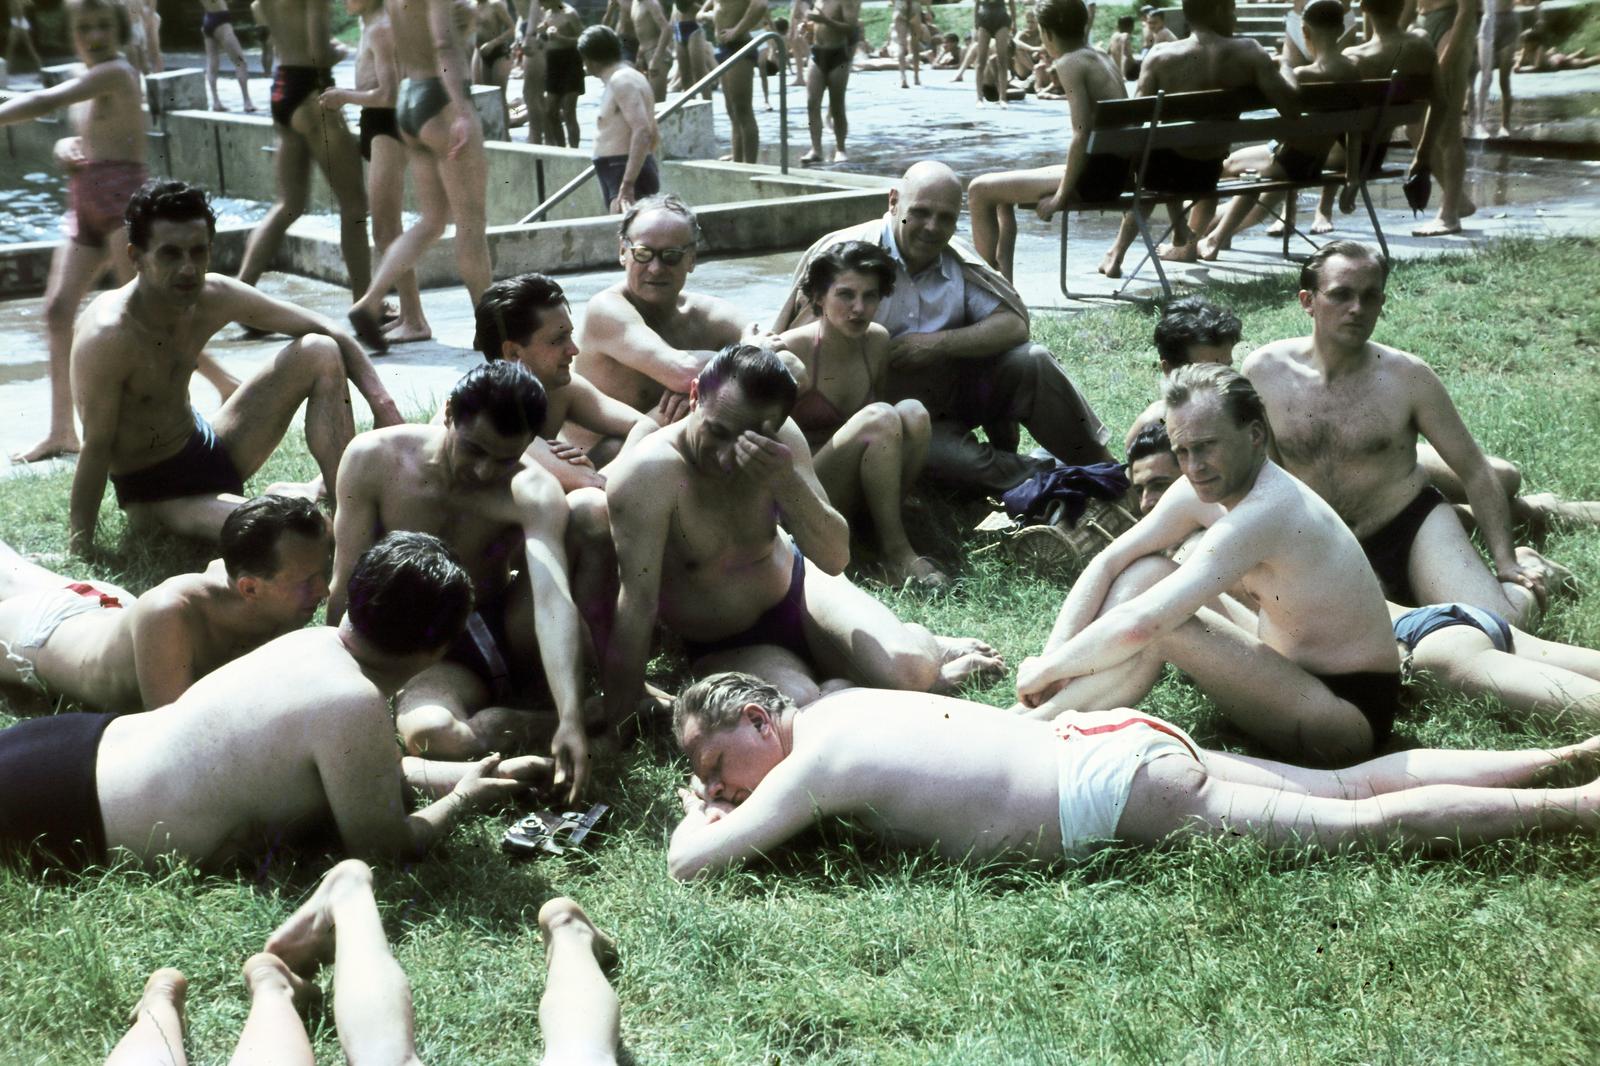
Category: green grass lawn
[843,952]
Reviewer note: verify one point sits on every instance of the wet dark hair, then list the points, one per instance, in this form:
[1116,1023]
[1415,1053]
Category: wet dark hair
[1311,270]
[1238,397]
[170,201]
[758,371]
[506,393]
[512,309]
[1193,320]
[600,44]
[1325,15]
[662,202]
[1125,24]
[409,594]
[1388,10]
[1067,20]
[952,38]
[250,534]
[780,24]
[1151,440]
[861,256]
[1205,13]
[118,12]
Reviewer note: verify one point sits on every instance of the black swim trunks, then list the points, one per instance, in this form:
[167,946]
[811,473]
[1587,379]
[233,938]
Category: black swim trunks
[608,171]
[1297,165]
[202,467]
[827,59]
[484,647]
[782,624]
[563,71]
[1104,178]
[213,19]
[1389,549]
[377,122]
[1170,172]
[991,15]
[685,29]
[724,51]
[291,86]
[48,793]
[1376,695]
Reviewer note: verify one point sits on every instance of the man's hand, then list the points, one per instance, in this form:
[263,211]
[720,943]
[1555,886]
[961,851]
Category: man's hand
[69,153]
[1036,681]
[1048,206]
[1529,578]
[482,786]
[725,36]
[759,335]
[762,459]
[672,407]
[912,351]
[707,810]
[570,453]
[571,750]
[333,99]
[461,132]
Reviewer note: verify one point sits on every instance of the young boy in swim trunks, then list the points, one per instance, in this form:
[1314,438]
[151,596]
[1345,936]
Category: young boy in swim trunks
[377,86]
[1088,76]
[105,166]
[561,26]
[835,24]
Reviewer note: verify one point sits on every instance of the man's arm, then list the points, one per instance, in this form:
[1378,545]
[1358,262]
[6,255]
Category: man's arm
[753,14]
[633,103]
[784,463]
[97,376]
[454,71]
[355,521]
[1226,552]
[664,38]
[641,506]
[1270,80]
[163,649]
[1080,105]
[251,307]
[568,464]
[1001,330]
[600,414]
[542,511]
[1438,420]
[612,325]
[785,803]
[95,81]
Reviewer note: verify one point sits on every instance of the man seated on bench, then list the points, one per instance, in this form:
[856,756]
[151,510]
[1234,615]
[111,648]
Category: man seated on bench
[1087,76]
[1209,58]
[1296,161]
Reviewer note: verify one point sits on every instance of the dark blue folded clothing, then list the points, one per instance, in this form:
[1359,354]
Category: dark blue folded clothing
[1072,486]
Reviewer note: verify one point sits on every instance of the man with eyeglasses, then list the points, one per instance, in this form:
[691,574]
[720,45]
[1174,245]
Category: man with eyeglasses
[960,345]
[644,339]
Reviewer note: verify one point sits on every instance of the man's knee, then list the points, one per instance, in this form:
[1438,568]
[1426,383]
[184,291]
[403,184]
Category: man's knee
[320,355]
[911,670]
[430,729]
[1506,472]
[590,517]
[1137,577]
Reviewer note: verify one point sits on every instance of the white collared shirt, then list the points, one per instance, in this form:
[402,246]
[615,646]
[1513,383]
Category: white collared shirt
[937,299]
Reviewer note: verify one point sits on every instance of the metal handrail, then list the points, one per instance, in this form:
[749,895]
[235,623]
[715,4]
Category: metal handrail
[756,41]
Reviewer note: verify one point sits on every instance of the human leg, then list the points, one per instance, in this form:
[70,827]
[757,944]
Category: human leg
[1450,155]
[386,197]
[838,82]
[213,63]
[1111,262]
[994,224]
[1544,679]
[434,713]
[241,66]
[980,57]
[406,250]
[593,558]
[1002,82]
[1172,796]
[465,178]
[1026,384]
[864,464]
[781,668]
[1444,567]
[579,1013]
[254,420]
[737,95]
[815,83]
[73,270]
[156,1037]
[337,154]
[533,97]
[292,173]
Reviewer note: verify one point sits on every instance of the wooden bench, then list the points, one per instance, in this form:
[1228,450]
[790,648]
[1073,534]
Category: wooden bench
[1355,113]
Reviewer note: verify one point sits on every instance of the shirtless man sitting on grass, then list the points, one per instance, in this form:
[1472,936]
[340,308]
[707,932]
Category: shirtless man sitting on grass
[695,511]
[1040,791]
[1346,413]
[281,741]
[469,482]
[132,360]
[1317,679]
[94,643]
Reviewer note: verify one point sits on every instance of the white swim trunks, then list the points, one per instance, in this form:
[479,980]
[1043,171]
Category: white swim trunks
[1101,752]
[43,613]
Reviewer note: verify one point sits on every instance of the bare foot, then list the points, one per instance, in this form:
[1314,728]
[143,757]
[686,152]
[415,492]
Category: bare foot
[1555,575]
[903,84]
[220,106]
[562,913]
[811,158]
[1480,133]
[839,156]
[1111,265]
[1321,223]
[1468,208]
[915,571]
[250,108]
[1548,507]
[166,987]
[965,657]
[1504,133]
[1207,248]
[402,332]
[368,328]
[1178,253]
[266,971]
[305,940]
[48,448]
[1276,229]
[1439,227]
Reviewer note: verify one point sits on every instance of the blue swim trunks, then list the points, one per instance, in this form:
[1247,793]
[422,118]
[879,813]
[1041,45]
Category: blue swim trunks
[202,467]
[1411,627]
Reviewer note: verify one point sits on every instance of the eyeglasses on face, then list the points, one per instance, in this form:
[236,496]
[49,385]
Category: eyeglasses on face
[643,253]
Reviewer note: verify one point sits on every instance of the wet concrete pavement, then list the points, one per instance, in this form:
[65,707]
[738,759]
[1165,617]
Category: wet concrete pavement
[891,128]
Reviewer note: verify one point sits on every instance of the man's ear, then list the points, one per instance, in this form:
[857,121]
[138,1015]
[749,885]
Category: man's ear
[757,716]
[248,586]
[1306,296]
[894,200]
[694,391]
[510,351]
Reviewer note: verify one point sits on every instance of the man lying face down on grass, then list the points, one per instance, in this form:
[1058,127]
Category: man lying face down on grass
[271,744]
[974,781]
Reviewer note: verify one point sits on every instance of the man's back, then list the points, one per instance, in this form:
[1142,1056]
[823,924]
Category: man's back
[1204,61]
[300,31]
[1351,438]
[250,754]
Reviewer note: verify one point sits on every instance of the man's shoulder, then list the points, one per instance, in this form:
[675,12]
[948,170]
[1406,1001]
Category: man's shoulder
[610,303]
[649,459]
[1275,355]
[388,446]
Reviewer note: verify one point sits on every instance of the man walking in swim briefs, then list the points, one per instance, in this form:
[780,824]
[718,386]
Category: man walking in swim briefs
[105,165]
[655,44]
[836,24]
[216,29]
[291,737]
[308,133]
[138,346]
[644,339]
[1318,678]
[377,87]
[766,771]
[444,142]
[625,130]
[960,344]
[1452,26]
[1346,413]
[734,22]
[695,510]
[469,482]
[96,644]
[561,26]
